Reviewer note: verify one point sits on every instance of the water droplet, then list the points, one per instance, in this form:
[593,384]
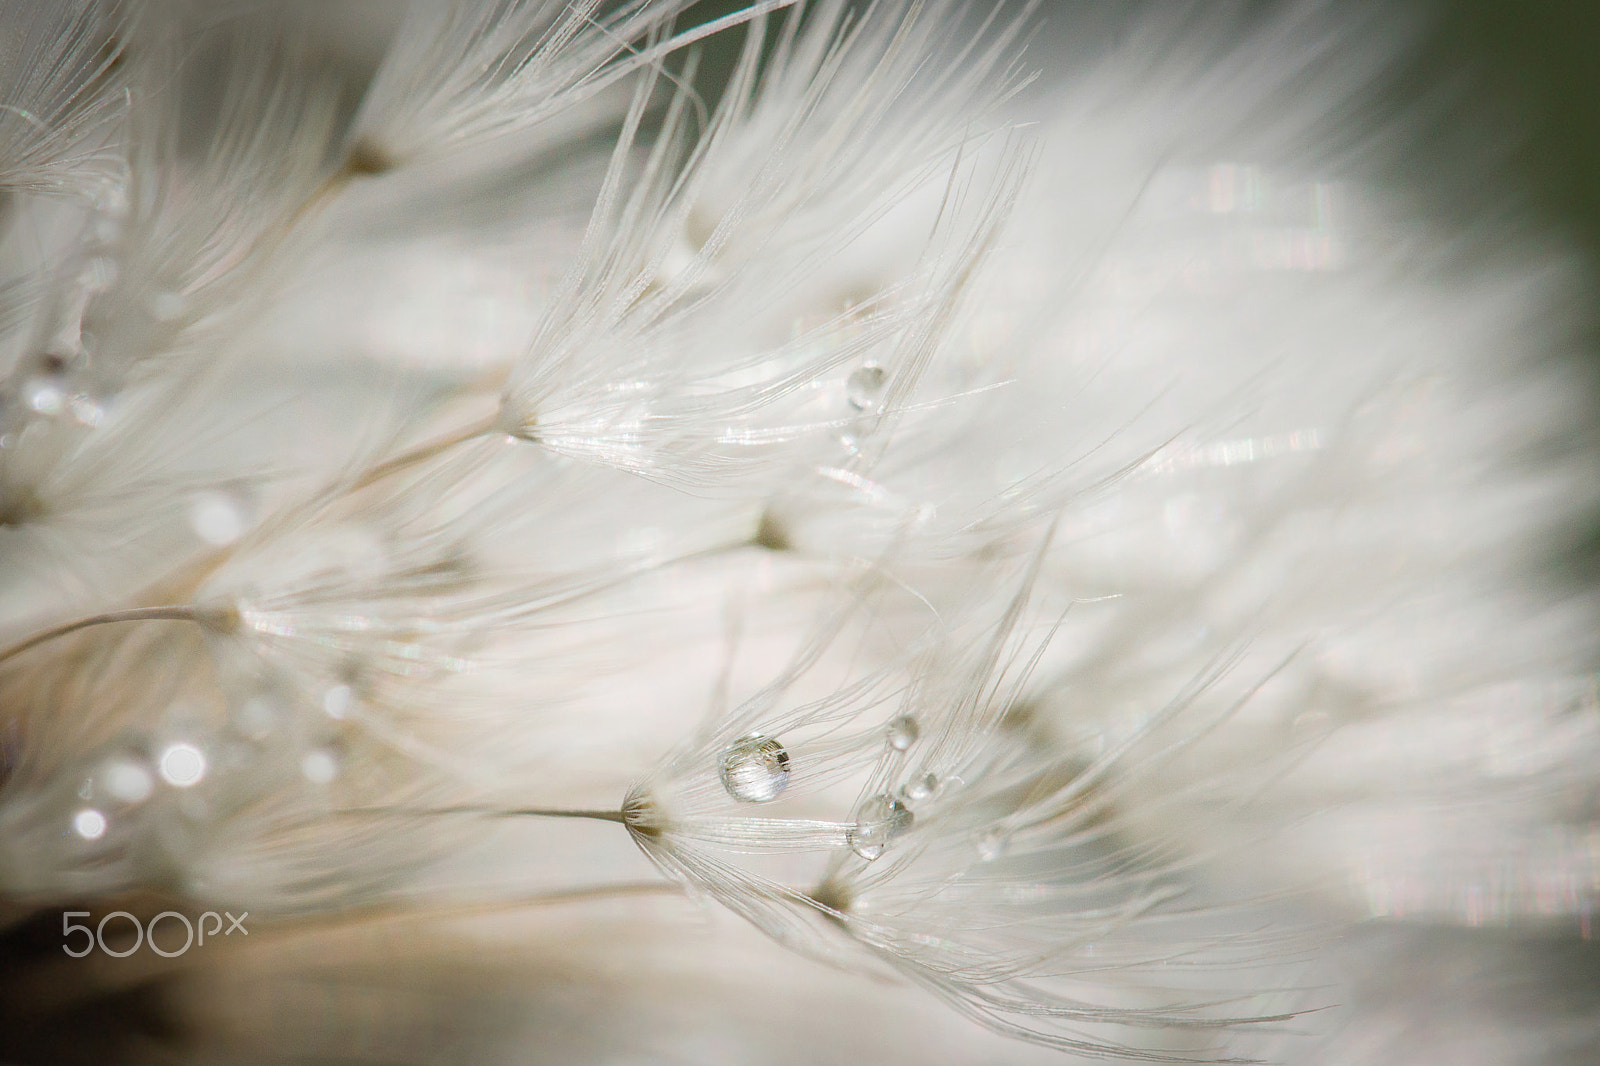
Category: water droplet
[878,821]
[320,766]
[258,717]
[755,769]
[89,823]
[336,701]
[126,779]
[863,386]
[45,395]
[217,518]
[920,788]
[87,410]
[903,732]
[183,765]
[992,844]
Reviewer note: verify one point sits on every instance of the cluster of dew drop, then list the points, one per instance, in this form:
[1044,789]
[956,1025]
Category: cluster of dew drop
[63,385]
[756,769]
[863,391]
[262,739]
[120,782]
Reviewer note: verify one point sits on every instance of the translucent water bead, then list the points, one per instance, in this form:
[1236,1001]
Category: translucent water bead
[52,395]
[182,765]
[903,732]
[864,387]
[920,787]
[319,766]
[89,824]
[878,821]
[992,844]
[755,769]
[46,394]
[126,779]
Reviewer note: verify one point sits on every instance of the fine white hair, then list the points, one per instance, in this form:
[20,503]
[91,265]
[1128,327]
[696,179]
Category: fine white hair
[1038,545]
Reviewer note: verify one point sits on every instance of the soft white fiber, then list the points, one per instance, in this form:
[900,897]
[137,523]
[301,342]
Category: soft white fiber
[1003,500]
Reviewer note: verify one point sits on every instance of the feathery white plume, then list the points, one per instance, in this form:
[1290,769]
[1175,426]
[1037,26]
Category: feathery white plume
[1002,502]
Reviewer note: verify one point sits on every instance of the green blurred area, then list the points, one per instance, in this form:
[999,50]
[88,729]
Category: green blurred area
[1504,99]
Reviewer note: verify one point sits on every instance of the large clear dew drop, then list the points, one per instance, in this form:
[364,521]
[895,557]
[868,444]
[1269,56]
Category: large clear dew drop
[755,769]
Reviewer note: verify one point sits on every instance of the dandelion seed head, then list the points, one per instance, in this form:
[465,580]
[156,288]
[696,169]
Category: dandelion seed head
[1143,506]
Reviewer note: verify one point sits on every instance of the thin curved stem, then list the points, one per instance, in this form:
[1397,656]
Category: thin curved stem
[537,812]
[424,452]
[183,613]
[498,812]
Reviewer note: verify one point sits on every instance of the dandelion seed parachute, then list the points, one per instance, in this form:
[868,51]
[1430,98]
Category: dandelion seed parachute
[59,97]
[1058,554]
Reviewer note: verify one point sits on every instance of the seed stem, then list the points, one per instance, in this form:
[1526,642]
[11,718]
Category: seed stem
[498,812]
[182,613]
[424,452]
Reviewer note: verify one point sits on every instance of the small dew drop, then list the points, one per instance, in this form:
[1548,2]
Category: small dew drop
[257,717]
[183,765]
[878,821]
[216,518]
[45,395]
[920,787]
[336,701]
[319,766]
[755,769]
[87,410]
[89,823]
[127,780]
[864,386]
[903,732]
[992,844]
